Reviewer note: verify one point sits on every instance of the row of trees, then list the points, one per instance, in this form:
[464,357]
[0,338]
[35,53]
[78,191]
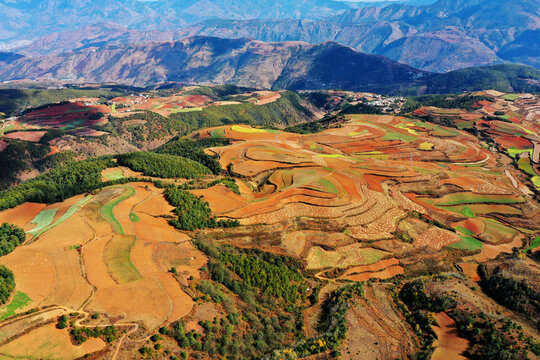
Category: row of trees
[163,165]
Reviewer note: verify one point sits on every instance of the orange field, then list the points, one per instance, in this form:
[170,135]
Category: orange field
[448,346]
[83,264]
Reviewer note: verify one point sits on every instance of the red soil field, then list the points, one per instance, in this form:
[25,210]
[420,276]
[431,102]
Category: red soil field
[514,141]
[33,136]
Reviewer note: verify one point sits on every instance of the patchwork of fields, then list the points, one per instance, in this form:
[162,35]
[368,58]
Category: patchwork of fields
[372,197]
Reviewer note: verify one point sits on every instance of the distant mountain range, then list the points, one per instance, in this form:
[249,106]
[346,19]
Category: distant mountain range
[445,36]
[257,64]
[29,19]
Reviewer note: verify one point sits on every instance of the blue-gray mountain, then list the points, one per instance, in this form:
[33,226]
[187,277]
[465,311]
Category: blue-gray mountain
[251,63]
[447,35]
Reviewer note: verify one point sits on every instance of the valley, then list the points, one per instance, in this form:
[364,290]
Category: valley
[386,228]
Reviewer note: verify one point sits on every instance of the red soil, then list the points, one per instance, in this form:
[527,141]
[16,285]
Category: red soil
[33,136]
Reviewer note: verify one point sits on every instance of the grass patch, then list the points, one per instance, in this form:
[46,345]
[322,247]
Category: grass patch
[19,301]
[510,97]
[115,174]
[134,217]
[467,243]
[117,259]
[176,111]
[217,133]
[107,209]
[534,244]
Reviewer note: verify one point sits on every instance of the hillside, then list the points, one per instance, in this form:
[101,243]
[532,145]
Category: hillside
[242,62]
[256,64]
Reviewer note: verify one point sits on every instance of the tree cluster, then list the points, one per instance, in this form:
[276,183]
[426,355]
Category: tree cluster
[7,284]
[11,236]
[163,165]
[194,150]
[58,184]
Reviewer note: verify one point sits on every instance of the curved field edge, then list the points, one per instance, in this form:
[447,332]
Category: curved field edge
[107,209]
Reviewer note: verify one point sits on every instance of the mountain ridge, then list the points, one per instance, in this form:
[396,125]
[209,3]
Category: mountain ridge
[251,63]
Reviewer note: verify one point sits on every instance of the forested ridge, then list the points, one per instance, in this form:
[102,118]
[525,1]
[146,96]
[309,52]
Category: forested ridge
[58,184]
[163,165]
[193,149]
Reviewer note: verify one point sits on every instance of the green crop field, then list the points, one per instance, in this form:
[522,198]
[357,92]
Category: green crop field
[472,198]
[533,245]
[479,209]
[498,231]
[328,186]
[72,210]
[398,136]
[464,231]
[107,209]
[525,165]
[467,243]
[42,220]
[247,130]
[117,258]
[19,301]
[176,111]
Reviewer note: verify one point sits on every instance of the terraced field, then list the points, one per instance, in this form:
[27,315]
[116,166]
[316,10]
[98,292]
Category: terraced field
[89,255]
[333,178]
[373,197]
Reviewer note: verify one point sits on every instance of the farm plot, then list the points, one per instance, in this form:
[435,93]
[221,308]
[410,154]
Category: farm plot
[48,342]
[99,246]
[343,257]
[69,117]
